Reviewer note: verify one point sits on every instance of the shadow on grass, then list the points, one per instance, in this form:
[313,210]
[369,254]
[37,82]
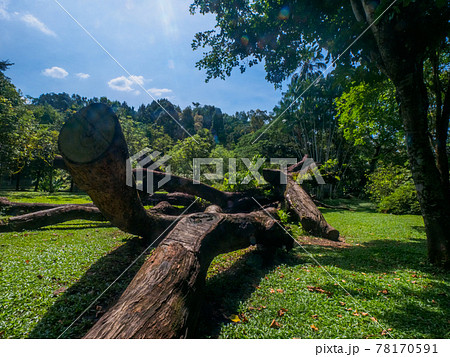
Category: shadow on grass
[79,296]
[226,290]
[420,229]
[354,204]
[428,309]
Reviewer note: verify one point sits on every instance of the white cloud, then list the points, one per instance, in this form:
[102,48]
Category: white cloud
[32,21]
[126,84]
[3,9]
[83,75]
[129,4]
[137,79]
[55,72]
[159,92]
[122,84]
[171,64]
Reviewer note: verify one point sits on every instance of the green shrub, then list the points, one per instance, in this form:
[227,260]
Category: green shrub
[284,216]
[402,201]
[385,180]
[391,187]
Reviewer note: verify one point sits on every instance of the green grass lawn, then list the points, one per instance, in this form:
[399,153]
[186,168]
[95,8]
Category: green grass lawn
[45,197]
[48,277]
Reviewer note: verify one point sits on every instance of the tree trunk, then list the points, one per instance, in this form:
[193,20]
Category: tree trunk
[18,181]
[229,201]
[432,195]
[442,123]
[164,298]
[41,214]
[38,179]
[15,208]
[399,51]
[50,178]
[50,217]
[175,199]
[300,203]
[95,152]
[181,184]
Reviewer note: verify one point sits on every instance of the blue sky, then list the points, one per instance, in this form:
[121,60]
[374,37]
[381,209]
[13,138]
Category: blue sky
[150,39]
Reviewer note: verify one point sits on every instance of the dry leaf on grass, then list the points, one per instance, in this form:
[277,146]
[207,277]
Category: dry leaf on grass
[235,318]
[274,324]
[318,289]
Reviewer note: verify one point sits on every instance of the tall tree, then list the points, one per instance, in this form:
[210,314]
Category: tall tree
[187,119]
[369,120]
[401,35]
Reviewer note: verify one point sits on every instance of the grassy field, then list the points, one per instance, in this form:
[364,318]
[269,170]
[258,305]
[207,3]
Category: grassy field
[375,285]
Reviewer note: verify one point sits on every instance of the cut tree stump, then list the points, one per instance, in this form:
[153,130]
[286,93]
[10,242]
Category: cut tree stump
[95,152]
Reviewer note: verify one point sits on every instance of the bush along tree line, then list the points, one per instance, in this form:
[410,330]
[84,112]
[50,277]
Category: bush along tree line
[353,133]
[377,126]
[351,129]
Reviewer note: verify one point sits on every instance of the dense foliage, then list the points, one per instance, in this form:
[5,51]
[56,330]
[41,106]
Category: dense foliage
[391,187]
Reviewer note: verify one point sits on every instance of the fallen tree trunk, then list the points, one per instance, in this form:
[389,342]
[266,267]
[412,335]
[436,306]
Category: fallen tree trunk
[301,204]
[229,201]
[15,208]
[50,217]
[10,208]
[164,212]
[181,184]
[175,199]
[164,298]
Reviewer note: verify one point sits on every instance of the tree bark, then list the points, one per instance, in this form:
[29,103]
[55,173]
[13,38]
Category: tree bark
[433,196]
[181,184]
[229,201]
[18,181]
[176,199]
[38,179]
[95,152]
[442,123]
[400,52]
[50,217]
[164,298]
[15,208]
[302,205]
